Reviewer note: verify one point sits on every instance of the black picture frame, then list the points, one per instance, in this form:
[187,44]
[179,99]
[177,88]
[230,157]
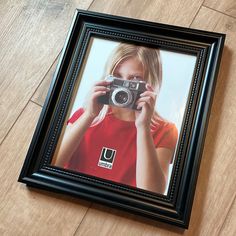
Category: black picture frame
[173,208]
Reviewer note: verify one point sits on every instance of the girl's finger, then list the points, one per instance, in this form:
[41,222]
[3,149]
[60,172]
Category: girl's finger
[100,88]
[144,102]
[149,87]
[148,93]
[140,105]
[98,94]
[102,82]
[148,100]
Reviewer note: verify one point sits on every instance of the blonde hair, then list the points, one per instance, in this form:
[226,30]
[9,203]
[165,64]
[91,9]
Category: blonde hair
[151,61]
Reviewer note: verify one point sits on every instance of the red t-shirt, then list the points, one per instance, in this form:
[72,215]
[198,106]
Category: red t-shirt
[108,149]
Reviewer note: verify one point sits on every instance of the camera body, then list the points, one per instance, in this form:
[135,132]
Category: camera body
[123,93]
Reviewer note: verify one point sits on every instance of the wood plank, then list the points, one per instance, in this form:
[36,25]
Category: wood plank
[216,184]
[9,12]
[177,12]
[26,211]
[229,228]
[42,91]
[29,45]
[228,7]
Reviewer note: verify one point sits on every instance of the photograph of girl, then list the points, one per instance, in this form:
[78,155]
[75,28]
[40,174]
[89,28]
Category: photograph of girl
[117,134]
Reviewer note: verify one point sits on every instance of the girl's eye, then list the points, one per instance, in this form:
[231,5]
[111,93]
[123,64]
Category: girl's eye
[136,78]
[117,75]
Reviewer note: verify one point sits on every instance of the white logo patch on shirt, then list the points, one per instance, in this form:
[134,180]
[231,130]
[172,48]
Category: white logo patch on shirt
[107,158]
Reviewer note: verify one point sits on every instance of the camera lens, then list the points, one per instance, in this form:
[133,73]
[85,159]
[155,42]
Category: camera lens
[121,97]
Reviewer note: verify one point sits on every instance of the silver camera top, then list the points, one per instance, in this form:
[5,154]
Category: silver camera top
[110,78]
[131,84]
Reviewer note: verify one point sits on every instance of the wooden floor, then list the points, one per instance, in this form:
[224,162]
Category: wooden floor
[32,34]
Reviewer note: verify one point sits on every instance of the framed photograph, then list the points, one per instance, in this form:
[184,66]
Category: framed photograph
[126,115]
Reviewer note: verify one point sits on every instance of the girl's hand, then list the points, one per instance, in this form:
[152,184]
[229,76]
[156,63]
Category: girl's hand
[146,103]
[93,107]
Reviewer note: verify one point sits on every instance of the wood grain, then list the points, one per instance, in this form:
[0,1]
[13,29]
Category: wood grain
[26,211]
[42,91]
[29,44]
[228,7]
[9,12]
[162,11]
[32,34]
[229,228]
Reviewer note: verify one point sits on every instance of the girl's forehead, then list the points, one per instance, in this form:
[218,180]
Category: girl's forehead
[129,62]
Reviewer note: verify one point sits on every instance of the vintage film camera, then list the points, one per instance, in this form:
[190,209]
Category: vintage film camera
[123,93]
